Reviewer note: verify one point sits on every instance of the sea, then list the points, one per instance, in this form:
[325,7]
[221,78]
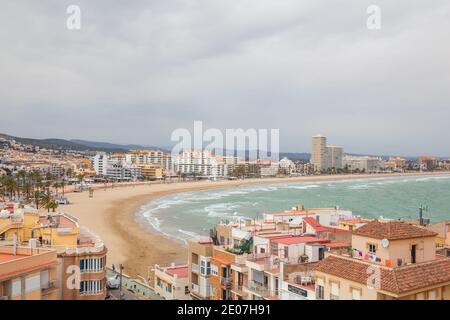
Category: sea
[186,215]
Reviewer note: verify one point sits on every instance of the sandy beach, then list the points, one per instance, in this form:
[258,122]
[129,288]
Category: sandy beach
[111,213]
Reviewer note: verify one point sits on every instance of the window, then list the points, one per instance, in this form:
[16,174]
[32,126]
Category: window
[371,248]
[356,294]
[91,287]
[432,295]
[169,288]
[214,270]
[263,250]
[91,265]
[186,290]
[334,294]
[320,292]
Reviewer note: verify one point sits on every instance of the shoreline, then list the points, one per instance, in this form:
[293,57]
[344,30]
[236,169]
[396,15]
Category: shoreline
[112,213]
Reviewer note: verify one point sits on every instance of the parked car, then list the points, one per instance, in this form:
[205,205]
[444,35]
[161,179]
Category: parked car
[62,201]
[113,282]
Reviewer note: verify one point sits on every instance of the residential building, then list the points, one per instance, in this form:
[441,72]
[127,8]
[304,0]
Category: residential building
[443,233]
[297,281]
[335,155]
[396,164]
[268,168]
[287,166]
[172,282]
[427,163]
[328,217]
[200,163]
[199,268]
[319,153]
[152,171]
[388,260]
[221,279]
[28,273]
[100,163]
[363,164]
[75,246]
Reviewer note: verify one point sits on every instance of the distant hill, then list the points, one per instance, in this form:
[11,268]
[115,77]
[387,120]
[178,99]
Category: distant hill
[57,144]
[295,156]
[76,144]
[112,146]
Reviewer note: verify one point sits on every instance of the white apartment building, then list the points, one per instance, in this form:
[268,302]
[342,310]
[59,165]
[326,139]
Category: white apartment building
[268,168]
[100,163]
[328,217]
[172,282]
[335,156]
[200,163]
[287,165]
[364,164]
[319,154]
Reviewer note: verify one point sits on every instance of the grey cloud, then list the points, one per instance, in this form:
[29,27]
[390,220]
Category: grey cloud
[139,69]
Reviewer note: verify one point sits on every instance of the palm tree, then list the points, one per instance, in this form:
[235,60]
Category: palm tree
[45,201]
[80,177]
[10,186]
[56,186]
[37,198]
[52,204]
[62,184]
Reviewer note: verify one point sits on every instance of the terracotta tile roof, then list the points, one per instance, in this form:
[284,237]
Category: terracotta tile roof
[395,280]
[320,228]
[392,230]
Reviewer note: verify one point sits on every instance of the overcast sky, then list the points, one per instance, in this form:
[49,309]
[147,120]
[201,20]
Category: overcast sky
[137,70]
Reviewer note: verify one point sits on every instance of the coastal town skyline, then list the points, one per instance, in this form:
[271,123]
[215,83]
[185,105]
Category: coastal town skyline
[92,143]
[136,83]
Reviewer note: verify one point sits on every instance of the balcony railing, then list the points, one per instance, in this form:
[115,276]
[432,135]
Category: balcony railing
[194,267]
[257,288]
[239,290]
[261,290]
[48,287]
[195,288]
[226,281]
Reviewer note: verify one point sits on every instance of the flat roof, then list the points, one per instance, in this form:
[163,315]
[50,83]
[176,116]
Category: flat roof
[180,272]
[306,212]
[8,257]
[299,239]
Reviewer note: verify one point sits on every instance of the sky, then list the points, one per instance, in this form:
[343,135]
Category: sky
[137,70]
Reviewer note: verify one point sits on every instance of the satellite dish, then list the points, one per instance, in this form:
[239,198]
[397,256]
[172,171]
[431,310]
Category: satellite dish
[385,243]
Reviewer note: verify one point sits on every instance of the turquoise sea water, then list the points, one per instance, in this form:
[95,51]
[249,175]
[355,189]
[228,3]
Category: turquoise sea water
[184,215]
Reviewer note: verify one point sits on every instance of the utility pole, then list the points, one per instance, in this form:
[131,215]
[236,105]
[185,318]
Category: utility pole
[121,267]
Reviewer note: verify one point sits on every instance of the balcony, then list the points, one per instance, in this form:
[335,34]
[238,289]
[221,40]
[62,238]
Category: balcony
[49,287]
[194,268]
[226,282]
[259,289]
[195,288]
[239,290]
